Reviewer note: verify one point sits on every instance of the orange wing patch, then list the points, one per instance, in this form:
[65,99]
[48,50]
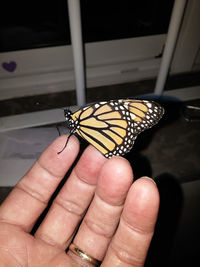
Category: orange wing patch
[121,123]
[102,109]
[86,113]
[93,122]
[92,142]
[137,112]
[99,136]
[114,114]
[140,106]
[120,131]
[76,115]
[114,136]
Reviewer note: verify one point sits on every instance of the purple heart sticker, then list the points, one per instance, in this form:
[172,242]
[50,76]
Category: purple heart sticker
[11,66]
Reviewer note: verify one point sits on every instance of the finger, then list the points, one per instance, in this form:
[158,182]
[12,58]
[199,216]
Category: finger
[30,196]
[72,201]
[130,244]
[102,218]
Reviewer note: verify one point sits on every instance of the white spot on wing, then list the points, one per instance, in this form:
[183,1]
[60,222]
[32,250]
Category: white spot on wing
[126,105]
[132,116]
[149,105]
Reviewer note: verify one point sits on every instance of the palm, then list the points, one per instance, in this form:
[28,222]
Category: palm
[19,249]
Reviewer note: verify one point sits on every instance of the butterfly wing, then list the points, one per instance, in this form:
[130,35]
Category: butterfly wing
[143,114]
[113,126]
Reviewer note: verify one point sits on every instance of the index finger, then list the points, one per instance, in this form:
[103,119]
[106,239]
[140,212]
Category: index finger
[30,196]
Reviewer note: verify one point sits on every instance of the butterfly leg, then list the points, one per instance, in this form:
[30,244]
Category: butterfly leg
[57,128]
[71,133]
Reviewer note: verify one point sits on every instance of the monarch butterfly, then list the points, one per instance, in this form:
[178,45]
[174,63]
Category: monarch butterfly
[113,126]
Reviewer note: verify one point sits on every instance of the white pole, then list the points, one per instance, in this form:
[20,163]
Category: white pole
[77,46]
[172,35]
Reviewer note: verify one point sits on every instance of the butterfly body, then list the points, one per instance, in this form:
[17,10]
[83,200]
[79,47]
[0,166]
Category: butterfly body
[113,126]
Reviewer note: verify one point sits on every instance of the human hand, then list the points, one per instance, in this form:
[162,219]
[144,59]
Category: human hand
[116,217]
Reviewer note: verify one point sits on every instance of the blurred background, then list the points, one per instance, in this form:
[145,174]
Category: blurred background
[123,44]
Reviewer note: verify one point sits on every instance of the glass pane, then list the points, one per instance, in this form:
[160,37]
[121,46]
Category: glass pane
[36,23]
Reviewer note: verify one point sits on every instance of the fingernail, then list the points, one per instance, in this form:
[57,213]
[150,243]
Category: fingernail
[146,177]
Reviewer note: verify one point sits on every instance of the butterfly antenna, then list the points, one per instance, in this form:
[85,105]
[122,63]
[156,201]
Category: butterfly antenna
[65,144]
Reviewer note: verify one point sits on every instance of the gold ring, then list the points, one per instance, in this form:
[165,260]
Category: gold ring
[82,254]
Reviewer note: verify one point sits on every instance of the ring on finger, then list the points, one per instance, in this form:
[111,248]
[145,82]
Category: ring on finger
[82,254]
